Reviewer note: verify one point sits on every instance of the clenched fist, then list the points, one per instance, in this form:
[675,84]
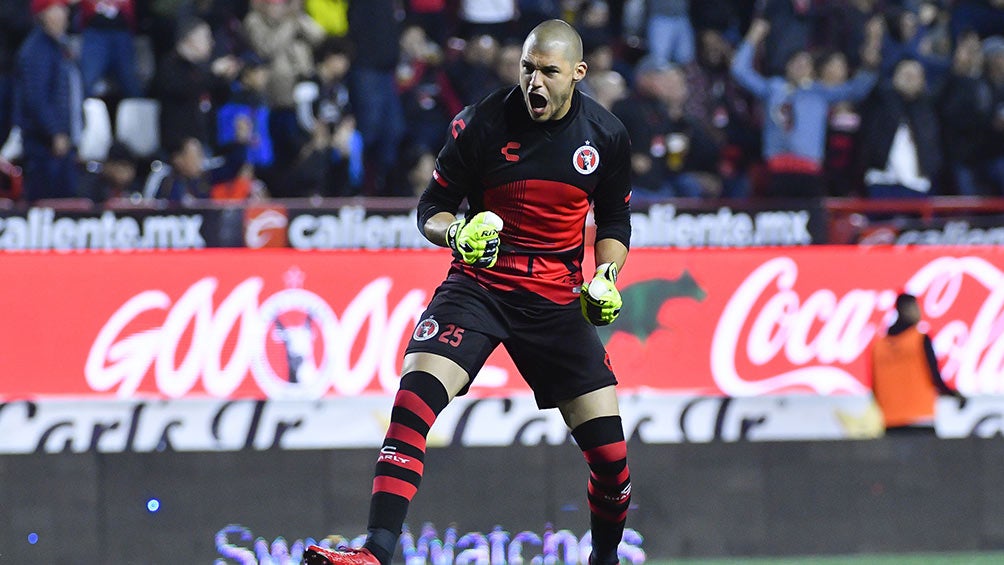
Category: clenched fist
[476,242]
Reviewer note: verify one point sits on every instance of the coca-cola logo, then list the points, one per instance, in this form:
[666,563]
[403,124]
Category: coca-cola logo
[814,339]
[291,343]
[970,341]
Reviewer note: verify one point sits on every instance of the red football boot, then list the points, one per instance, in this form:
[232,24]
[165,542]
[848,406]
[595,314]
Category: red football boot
[315,555]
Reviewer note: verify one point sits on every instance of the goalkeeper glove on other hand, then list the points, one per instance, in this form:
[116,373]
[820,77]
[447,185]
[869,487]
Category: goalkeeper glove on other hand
[600,300]
[476,242]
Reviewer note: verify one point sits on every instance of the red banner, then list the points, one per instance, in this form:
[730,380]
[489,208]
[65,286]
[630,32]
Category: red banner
[289,324]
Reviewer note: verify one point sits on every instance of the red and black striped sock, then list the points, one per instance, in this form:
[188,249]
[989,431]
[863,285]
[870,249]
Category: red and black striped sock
[399,467]
[602,443]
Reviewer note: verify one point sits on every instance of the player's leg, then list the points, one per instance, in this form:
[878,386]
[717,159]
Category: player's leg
[428,384]
[596,427]
[564,362]
[457,333]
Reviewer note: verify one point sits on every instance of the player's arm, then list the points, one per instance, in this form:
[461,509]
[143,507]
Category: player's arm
[435,228]
[936,378]
[600,300]
[451,180]
[475,241]
[611,251]
[475,238]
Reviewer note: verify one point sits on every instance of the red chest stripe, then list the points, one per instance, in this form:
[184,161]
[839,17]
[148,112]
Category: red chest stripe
[540,214]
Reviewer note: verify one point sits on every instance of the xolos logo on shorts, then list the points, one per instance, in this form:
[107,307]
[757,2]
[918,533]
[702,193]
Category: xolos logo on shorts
[586,159]
[426,329]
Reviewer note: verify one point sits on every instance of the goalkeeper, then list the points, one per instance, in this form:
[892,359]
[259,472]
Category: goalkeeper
[530,161]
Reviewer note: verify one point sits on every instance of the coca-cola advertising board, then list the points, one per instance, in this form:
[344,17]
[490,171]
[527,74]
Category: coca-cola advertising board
[287,324]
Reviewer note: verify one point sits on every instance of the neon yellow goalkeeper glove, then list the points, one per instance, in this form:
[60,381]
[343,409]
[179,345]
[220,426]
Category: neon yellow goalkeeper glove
[600,300]
[476,242]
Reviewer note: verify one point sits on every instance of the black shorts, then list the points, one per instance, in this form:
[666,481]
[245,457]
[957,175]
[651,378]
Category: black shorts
[556,350]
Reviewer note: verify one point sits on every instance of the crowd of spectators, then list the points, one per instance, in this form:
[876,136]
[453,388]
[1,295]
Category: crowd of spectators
[297,98]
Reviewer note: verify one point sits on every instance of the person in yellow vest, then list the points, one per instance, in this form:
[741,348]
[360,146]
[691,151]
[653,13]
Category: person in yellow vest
[906,380]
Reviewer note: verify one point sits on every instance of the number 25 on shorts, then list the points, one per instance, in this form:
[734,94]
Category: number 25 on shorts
[453,335]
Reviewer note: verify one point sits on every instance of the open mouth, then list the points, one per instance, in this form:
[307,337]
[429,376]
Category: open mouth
[537,101]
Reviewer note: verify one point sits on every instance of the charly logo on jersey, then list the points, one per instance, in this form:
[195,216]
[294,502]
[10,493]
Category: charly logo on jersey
[586,159]
[426,329]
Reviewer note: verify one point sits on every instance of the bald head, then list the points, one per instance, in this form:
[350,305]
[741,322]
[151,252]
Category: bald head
[555,36]
[550,65]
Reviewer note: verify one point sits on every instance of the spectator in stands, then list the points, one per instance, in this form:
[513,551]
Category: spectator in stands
[330,157]
[842,27]
[226,20]
[722,104]
[792,23]
[373,88]
[601,58]
[674,154]
[49,104]
[249,102]
[606,87]
[189,180]
[906,380]
[911,38]
[631,23]
[15,24]
[669,32]
[993,149]
[900,137]
[796,108]
[474,74]
[417,164]
[840,166]
[967,112]
[108,47]
[284,36]
[427,94]
[115,177]
[186,87]
[323,98]
[642,113]
[507,67]
[593,24]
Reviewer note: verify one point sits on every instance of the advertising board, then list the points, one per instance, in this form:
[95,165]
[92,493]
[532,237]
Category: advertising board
[371,223]
[282,324]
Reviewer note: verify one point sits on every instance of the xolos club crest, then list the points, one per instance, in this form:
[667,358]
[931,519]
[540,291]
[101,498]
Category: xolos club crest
[426,329]
[586,159]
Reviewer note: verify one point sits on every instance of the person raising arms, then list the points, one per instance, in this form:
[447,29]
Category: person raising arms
[530,161]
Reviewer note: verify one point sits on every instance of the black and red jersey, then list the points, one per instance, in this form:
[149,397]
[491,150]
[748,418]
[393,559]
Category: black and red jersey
[540,178]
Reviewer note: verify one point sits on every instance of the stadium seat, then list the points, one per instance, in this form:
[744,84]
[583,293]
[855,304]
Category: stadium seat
[96,136]
[137,125]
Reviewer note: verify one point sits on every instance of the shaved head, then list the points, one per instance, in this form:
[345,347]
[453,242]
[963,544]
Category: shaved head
[555,36]
[550,65]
